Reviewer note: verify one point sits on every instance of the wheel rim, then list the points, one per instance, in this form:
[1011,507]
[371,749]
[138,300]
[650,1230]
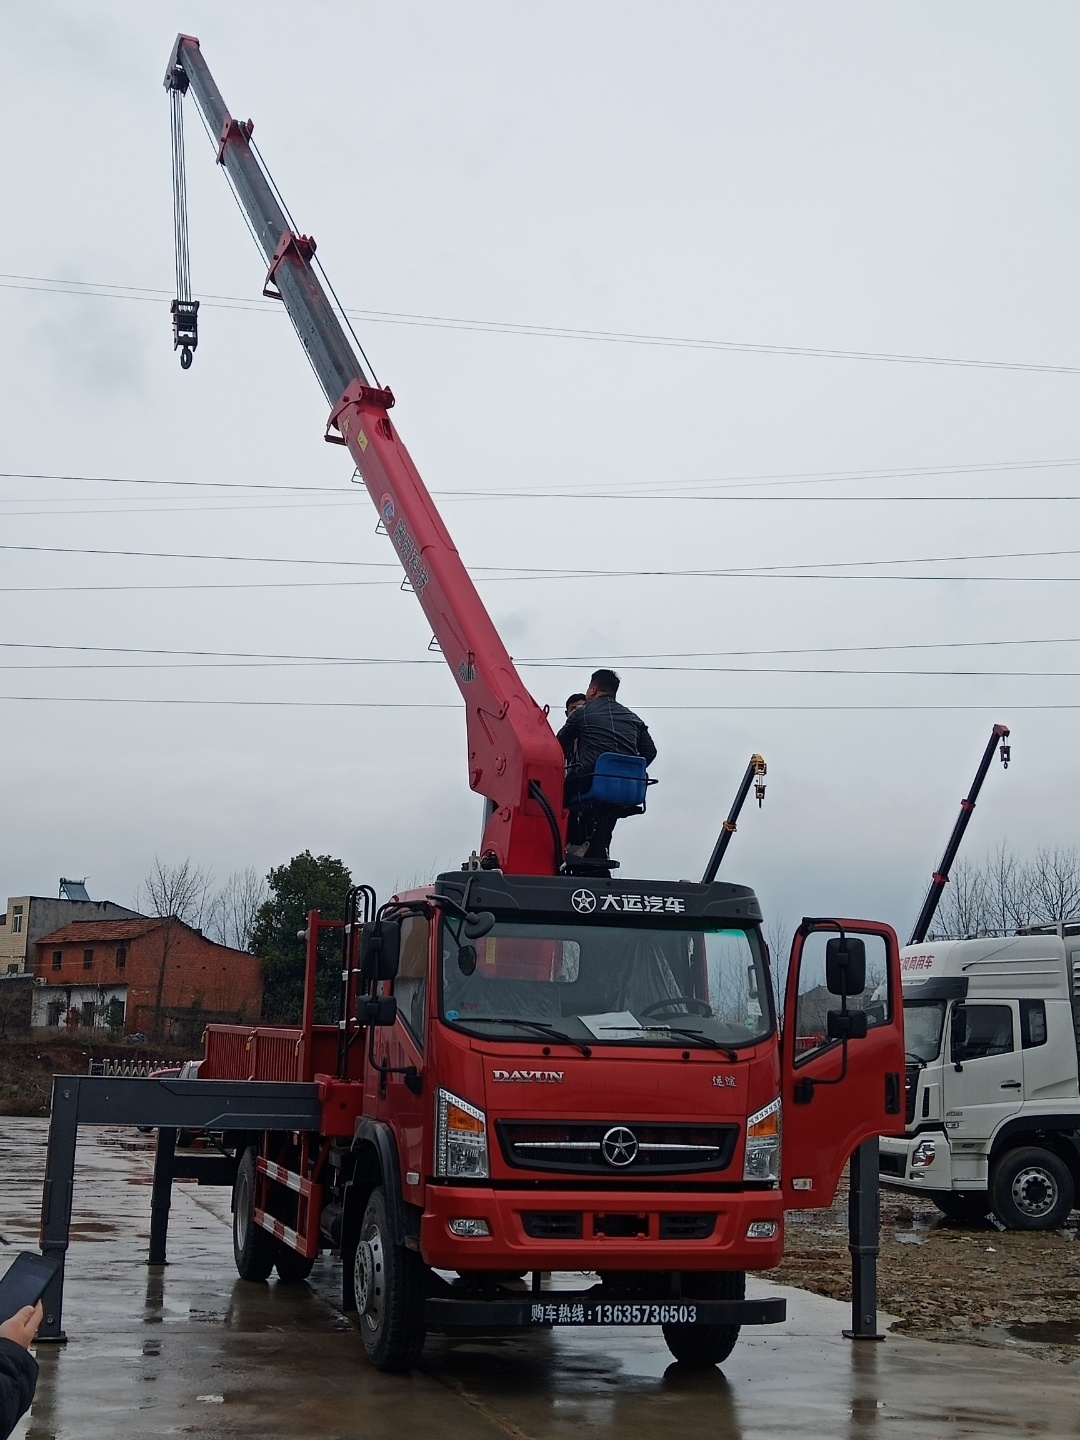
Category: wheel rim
[242,1211]
[368,1270]
[1034,1192]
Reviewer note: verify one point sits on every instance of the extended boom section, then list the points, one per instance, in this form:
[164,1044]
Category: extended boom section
[512,749]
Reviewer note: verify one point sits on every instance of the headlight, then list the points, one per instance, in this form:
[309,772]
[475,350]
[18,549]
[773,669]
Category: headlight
[763,1144]
[923,1155]
[461,1149]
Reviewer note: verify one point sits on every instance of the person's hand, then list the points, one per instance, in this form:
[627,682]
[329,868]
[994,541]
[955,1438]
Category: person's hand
[23,1325]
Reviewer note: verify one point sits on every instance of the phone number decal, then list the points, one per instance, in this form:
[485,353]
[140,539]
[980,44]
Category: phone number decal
[613,1314]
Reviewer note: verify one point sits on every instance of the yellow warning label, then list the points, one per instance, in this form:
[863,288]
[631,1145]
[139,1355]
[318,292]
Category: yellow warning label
[361,440]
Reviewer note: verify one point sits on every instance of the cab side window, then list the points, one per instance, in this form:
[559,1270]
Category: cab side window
[1032,1023]
[989,1031]
[410,986]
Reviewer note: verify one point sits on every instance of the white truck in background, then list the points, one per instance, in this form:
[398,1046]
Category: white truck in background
[992,1089]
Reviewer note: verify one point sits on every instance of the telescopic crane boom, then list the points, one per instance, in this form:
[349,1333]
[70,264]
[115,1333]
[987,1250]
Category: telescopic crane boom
[998,738]
[515,760]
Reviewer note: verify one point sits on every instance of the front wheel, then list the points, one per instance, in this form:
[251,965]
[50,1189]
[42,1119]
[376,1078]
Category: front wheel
[964,1208]
[704,1345]
[254,1249]
[1032,1189]
[390,1285]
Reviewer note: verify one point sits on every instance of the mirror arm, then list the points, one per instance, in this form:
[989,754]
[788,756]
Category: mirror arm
[811,1084]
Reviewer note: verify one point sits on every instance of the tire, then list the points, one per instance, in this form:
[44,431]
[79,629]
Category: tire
[705,1345]
[1032,1189]
[254,1249]
[292,1267]
[963,1208]
[390,1286]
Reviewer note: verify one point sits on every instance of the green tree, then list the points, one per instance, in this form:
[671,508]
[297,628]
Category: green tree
[306,883]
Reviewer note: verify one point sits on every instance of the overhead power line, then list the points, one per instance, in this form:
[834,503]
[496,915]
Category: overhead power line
[532,660]
[166,659]
[656,490]
[559,572]
[445,705]
[54,286]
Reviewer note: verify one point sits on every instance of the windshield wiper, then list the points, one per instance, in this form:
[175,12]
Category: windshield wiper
[690,1034]
[536,1025]
[910,1055]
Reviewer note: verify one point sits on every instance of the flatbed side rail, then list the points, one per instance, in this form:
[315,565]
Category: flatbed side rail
[168,1105]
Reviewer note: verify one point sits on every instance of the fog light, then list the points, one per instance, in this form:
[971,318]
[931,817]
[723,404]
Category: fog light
[761,1229]
[469,1228]
[923,1154]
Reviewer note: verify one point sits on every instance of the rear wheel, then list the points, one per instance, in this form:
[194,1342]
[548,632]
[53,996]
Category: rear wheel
[254,1249]
[390,1286]
[963,1207]
[1032,1189]
[704,1345]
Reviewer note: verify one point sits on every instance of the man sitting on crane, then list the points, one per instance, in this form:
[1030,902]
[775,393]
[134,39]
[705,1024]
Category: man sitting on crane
[599,727]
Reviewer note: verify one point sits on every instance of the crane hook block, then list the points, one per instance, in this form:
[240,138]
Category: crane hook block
[185,326]
[1006,755]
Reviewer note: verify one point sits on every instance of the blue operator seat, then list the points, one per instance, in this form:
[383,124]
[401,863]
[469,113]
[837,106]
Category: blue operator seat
[619,781]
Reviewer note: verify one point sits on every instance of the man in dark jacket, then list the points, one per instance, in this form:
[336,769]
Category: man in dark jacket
[18,1368]
[599,727]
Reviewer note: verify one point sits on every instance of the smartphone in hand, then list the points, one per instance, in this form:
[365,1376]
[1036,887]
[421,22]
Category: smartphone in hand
[24,1282]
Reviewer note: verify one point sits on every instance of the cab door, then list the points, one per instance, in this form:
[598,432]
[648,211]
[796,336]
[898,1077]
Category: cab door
[399,1077]
[843,1079]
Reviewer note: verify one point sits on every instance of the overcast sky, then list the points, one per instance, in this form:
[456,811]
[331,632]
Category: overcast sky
[897,180]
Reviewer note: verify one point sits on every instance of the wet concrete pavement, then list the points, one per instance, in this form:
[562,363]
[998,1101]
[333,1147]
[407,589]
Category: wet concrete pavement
[189,1350]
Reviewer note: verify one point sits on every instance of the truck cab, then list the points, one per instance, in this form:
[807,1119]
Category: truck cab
[992,1106]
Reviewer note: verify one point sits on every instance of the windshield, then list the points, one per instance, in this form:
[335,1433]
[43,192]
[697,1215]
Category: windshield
[601,984]
[923,1023]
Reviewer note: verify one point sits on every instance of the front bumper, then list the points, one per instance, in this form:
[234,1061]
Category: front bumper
[602,1230]
[898,1170]
[589,1307]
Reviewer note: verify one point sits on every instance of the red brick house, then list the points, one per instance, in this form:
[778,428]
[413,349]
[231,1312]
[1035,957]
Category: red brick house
[158,977]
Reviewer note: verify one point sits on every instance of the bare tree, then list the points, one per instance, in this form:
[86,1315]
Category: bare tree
[778,939]
[1008,886]
[235,906]
[964,908]
[178,895]
[1054,885]
[1004,894]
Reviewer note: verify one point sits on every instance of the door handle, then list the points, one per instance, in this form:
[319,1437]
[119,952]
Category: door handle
[1011,1085]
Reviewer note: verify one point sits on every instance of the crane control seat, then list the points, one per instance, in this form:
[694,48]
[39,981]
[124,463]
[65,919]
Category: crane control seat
[618,782]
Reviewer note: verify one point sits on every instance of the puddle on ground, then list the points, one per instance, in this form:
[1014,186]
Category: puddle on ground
[90,1230]
[1047,1332]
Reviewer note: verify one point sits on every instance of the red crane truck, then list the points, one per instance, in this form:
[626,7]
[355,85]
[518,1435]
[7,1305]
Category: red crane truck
[536,1068]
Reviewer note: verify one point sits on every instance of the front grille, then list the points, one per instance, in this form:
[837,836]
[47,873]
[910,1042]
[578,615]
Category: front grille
[552,1224]
[891,1165]
[911,1090]
[687,1227]
[575,1147]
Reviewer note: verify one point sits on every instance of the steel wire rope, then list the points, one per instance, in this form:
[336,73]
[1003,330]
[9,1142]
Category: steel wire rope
[315,261]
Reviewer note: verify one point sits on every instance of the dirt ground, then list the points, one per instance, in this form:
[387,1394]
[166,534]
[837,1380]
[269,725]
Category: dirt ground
[944,1280]
[27,1065]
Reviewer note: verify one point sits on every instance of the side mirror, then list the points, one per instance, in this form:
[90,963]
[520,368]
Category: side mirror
[958,1043]
[846,1024]
[845,965]
[466,959]
[477,924]
[380,951]
[377,1010]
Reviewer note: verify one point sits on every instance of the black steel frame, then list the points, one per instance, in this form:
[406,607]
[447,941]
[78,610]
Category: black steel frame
[169,1105]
